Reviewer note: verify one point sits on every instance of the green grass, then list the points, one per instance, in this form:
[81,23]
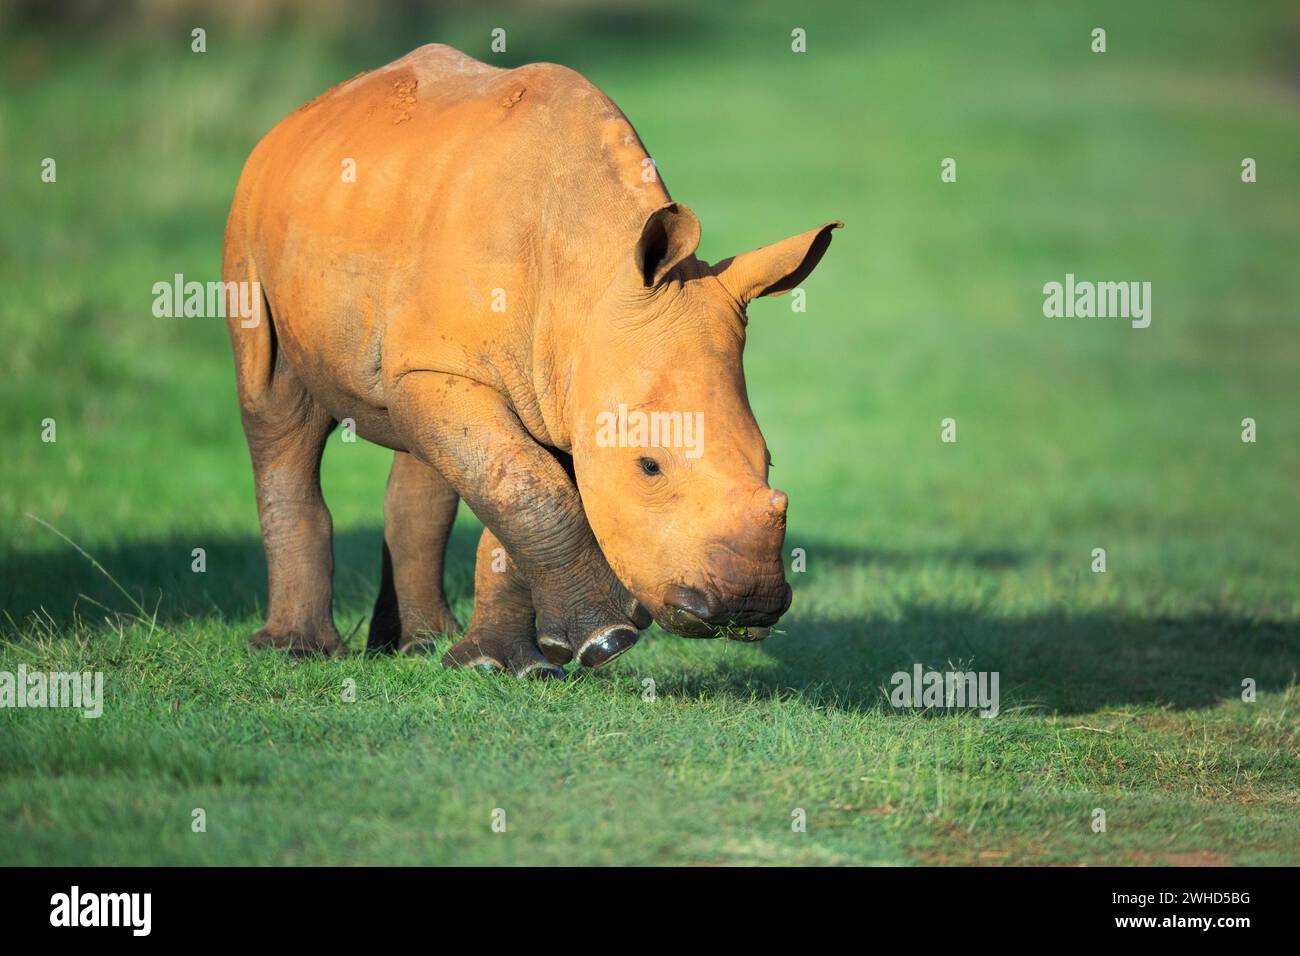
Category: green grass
[1120,691]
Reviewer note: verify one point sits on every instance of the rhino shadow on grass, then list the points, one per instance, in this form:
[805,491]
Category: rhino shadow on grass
[60,581]
[1057,662]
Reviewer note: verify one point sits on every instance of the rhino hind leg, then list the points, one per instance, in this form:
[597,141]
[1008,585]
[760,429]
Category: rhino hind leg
[286,433]
[501,633]
[419,510]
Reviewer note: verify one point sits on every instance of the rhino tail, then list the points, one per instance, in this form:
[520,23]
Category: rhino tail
[252,331]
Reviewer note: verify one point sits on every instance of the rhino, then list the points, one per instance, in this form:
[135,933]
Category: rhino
[476,267]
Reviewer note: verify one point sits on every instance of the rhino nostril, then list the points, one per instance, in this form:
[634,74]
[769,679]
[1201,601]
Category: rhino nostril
[681,598]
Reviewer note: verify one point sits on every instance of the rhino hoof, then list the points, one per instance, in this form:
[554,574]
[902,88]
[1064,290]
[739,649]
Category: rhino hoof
[300,644]
[640,616]
[543,672]
[603,647]
[557,650]
[483,664]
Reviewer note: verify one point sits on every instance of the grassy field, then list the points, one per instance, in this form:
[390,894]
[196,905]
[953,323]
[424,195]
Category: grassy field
[1120,691]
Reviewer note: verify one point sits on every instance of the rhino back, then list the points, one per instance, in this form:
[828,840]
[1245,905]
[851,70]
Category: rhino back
[468,181]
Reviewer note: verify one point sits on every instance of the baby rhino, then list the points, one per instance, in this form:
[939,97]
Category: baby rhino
[478,269]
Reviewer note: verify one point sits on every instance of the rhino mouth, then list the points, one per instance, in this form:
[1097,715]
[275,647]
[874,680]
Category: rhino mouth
[737,615]
[746,624]
[684,623]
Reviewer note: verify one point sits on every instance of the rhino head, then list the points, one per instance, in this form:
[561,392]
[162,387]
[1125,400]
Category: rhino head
[668,458]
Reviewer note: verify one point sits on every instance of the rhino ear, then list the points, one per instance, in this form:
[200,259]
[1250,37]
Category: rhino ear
[670,234]
[777,268]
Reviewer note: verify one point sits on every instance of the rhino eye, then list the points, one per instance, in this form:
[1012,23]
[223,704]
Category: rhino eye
[648,466]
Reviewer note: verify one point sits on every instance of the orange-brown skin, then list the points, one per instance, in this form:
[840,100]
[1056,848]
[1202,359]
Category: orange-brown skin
[419,508]
[499,274]
[502,633]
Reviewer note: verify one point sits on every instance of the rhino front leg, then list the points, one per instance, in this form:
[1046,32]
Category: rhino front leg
[501,635]
[419,509]
[469,433]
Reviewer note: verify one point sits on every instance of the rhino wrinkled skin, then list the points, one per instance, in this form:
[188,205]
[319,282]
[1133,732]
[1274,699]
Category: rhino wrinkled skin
[498,272]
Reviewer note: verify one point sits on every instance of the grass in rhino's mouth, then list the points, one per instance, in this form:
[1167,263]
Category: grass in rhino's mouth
[732,632]
[739,632]
[689,626]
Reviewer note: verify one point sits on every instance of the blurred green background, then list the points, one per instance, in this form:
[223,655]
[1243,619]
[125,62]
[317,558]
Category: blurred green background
[1072,434]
